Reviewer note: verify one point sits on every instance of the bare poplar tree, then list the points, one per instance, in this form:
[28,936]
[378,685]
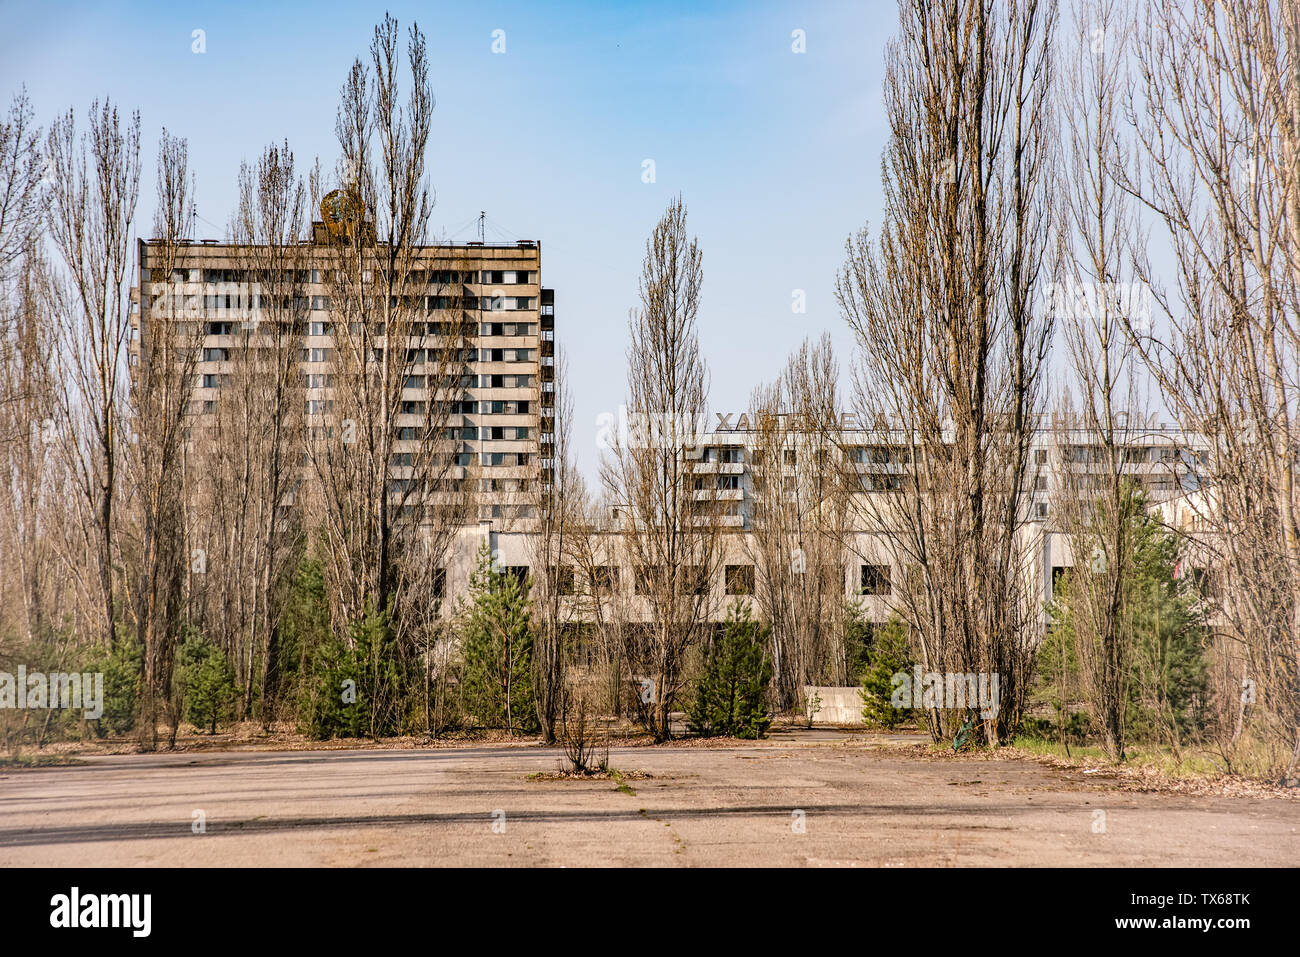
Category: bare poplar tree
[162,383]
[941,305]
[799,520]
[669,533]
[31,513]
[1096,498]
[26,382]
[96,181]
[560,503]
[394,484]
[21,170]
[260,416]
[1217,117]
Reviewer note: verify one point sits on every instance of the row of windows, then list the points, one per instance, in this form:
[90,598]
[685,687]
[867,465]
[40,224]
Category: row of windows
[507,355]
[496,433]
[788,484]
[320,327]
[488,407]
[724,482]
[690,580]
[505,277]
[484,406]
[508,328]
[508,277]
[465,459]
[897,455]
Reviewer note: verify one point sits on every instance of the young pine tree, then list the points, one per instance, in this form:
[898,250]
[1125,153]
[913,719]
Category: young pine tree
[730,696]
[208,683]
[496,634]
[1163,629]
[886,657]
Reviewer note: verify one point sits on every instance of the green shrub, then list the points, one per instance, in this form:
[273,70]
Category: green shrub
[857,637]
[303,628]
[887,656]
[207,683]
[1161,630]
[496,635]
[123,669]
[358,687]
[730,696]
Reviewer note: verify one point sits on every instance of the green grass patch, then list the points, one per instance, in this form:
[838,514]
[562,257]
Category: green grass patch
[623,786]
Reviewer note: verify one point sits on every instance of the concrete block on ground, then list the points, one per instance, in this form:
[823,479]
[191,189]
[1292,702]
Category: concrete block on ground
[838,705]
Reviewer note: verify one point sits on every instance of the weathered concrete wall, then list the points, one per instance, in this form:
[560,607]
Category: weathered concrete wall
[838,705]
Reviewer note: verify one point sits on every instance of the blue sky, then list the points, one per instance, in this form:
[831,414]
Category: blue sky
[776,153]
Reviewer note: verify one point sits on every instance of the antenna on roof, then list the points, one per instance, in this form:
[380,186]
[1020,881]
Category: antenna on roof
[482,217]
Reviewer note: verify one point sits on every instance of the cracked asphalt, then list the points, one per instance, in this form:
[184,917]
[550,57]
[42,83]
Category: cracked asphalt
[791,801]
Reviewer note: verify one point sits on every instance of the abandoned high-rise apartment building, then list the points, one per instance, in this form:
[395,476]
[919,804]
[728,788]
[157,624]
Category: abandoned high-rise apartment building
[466,396]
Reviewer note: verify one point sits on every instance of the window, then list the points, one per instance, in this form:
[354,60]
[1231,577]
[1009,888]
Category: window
[728,454]
[505,458]
[881,483]
[740,579]
[505,355]
[875,579]
[604,579]
[507,277]
[564,580]
[647,579]
[692,580]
